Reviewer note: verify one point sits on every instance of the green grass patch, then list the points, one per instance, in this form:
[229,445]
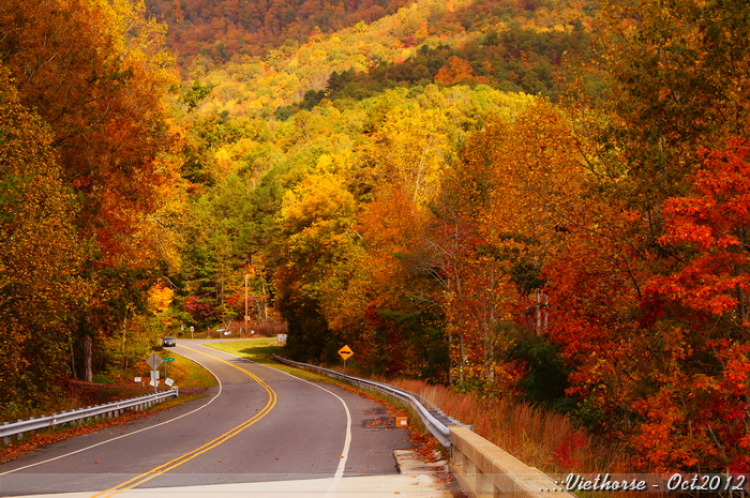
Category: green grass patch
[258,350]
[186,373]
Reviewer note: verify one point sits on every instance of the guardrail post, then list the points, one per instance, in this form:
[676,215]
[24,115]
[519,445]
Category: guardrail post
[458,459]
[485,487]
[470,470]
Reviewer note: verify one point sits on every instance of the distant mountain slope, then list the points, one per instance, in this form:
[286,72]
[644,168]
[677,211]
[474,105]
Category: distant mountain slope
[221,29]
[501,43]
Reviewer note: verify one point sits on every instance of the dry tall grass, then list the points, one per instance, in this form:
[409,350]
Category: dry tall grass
[267,328]
[538,437]
[264,328]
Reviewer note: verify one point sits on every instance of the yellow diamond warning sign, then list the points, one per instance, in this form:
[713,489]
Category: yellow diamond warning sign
[345,353]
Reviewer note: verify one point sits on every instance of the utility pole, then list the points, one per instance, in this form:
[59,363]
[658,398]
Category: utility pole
[245,303]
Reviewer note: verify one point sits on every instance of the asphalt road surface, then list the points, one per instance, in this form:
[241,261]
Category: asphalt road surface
[259,425]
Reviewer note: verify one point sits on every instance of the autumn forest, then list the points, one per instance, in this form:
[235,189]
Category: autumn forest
[545,201]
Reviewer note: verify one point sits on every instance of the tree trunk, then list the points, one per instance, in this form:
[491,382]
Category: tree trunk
[87,372]
[72,358]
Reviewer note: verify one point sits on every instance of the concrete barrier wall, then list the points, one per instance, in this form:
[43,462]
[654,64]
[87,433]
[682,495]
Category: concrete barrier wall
[485,471]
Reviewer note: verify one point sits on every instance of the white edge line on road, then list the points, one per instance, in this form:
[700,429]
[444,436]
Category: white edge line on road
[347,440]
[129,434]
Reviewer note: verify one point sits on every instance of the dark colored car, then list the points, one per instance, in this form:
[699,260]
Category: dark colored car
[168,342]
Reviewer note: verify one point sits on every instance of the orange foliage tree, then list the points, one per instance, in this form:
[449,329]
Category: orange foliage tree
[97,74]
[507,210]
[457,70]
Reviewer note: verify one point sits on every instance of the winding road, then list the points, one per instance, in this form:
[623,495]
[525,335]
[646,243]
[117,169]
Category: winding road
[261,432]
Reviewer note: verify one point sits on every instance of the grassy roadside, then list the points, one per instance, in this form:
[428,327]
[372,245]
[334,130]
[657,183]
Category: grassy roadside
[186,373]
[261,351]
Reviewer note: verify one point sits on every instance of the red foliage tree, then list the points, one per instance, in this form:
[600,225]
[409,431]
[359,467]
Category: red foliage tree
[709,229]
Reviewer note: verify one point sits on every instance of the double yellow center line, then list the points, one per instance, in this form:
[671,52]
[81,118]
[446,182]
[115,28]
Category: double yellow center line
[172,464]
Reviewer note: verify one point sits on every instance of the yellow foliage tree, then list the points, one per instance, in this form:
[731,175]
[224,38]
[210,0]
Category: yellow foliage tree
[41,291]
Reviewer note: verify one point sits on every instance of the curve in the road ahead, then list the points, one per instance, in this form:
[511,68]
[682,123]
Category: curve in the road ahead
[300,442]
[176,462]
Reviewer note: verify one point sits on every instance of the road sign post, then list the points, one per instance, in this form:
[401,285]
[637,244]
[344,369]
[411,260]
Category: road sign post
[345,354]
[166,362]
[154,361]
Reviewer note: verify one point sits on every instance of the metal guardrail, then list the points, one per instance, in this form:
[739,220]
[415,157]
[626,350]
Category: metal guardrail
[437,428]
[9,429]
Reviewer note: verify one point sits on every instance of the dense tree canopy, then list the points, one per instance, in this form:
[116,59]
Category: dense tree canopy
[96,75]
[40,256]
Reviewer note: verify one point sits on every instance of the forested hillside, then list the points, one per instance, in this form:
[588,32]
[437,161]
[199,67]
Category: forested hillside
[220,31]
[535,200]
